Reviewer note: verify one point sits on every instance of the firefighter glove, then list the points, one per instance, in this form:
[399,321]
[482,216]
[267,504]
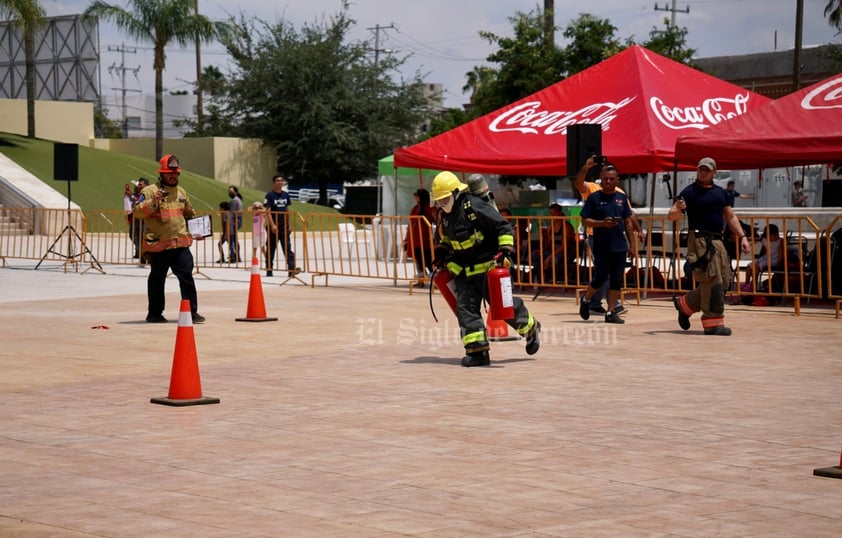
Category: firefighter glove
[504,257]
[439,255]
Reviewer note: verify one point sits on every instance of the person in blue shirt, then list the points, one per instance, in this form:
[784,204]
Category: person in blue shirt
[609,213]
[277,204]
[708,213]
[731,193]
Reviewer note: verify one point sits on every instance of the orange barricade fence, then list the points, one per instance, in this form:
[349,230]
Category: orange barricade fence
[364,246]
[550,252]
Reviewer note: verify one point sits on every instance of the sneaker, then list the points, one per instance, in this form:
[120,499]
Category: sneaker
[597,309]
[612,317]
[293,272]
[477,358]
[620,310]
[269,273]
[533,339]
[584,309]
[220,260]
[683,319]
[157,318]
[719,330]
[198,318]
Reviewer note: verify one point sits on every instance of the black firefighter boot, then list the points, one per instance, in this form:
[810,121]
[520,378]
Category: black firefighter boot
[476,356]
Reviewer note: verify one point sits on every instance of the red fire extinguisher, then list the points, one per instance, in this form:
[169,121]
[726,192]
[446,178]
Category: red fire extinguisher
[501,302]
[446,286]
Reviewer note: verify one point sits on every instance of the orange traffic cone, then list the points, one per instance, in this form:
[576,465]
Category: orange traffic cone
[497,330]
[256,309]
[185,386]
[830,472]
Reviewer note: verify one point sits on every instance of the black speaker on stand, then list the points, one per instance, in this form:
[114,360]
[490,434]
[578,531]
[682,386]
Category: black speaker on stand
[66,168]
[583,140]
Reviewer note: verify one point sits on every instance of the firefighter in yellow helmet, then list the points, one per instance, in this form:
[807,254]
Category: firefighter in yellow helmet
[471,235]
[164,208]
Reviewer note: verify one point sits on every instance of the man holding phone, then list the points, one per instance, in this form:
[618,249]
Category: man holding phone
[609,214]
[585,189]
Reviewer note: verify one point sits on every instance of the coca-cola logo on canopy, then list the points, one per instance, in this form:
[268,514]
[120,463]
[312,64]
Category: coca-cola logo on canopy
[531,118]
[709,112]
[827,95]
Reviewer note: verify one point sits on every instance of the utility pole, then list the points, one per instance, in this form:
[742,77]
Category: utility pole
[549,23]
[377,49]
[672,11]
[200,115]
[122,69]
[799,23]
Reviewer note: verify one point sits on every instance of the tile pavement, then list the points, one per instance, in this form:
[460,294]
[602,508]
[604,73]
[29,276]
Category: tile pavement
[351,416]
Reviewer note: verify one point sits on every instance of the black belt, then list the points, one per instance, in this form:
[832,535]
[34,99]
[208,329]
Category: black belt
[707,234]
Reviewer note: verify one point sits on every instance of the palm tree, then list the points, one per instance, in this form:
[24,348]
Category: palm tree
[833,12]
[159,22]
[27,13]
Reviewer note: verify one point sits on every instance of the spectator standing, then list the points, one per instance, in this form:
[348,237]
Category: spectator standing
[258,229]
[131,195]
[164,208]
[799,198]
[418,242]
[708,213]
[225,235]
[609,214]
[236,223]
[731,193]
[277,203]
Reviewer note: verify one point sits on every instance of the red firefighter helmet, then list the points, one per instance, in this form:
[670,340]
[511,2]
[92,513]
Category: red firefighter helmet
[169,163]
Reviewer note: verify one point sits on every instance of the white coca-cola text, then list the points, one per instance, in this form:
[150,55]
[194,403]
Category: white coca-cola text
[530,118]
[827,95]
[709,112]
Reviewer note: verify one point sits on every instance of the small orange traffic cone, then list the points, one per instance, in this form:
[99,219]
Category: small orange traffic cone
[497,330]
[830,472]
[185,385]
[256,309]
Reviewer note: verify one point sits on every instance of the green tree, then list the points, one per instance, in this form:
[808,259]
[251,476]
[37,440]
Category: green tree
[104,127]
[525,65]
[592,40]
[160,22]
[670,42]
[445,121]
[28,14]
[216,121]
[323,102]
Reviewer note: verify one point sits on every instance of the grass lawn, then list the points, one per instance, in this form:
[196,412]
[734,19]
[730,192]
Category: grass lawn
[102,175]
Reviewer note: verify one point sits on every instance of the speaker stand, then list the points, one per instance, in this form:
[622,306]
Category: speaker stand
[72,254]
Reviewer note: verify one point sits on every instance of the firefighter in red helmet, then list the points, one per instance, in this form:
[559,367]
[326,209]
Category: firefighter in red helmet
[164,208]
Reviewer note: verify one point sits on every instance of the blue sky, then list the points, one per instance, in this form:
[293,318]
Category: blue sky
[442,35]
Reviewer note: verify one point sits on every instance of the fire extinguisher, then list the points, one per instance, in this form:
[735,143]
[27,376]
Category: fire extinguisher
[446,286]
[501,305]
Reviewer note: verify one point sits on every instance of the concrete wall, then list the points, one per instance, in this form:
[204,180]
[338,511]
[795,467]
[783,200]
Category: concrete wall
[61,121]
[236,161]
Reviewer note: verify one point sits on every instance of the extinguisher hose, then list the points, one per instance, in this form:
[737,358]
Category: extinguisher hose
[432,283]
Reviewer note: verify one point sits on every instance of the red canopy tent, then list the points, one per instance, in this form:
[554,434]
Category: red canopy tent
[642,100]
[804,127]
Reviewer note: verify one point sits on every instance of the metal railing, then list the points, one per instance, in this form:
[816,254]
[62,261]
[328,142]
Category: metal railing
[550,252]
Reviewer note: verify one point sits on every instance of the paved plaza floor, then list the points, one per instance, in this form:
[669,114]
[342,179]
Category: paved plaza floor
[350,416]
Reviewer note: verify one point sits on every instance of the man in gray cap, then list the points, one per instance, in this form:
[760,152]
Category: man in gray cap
[708,213]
